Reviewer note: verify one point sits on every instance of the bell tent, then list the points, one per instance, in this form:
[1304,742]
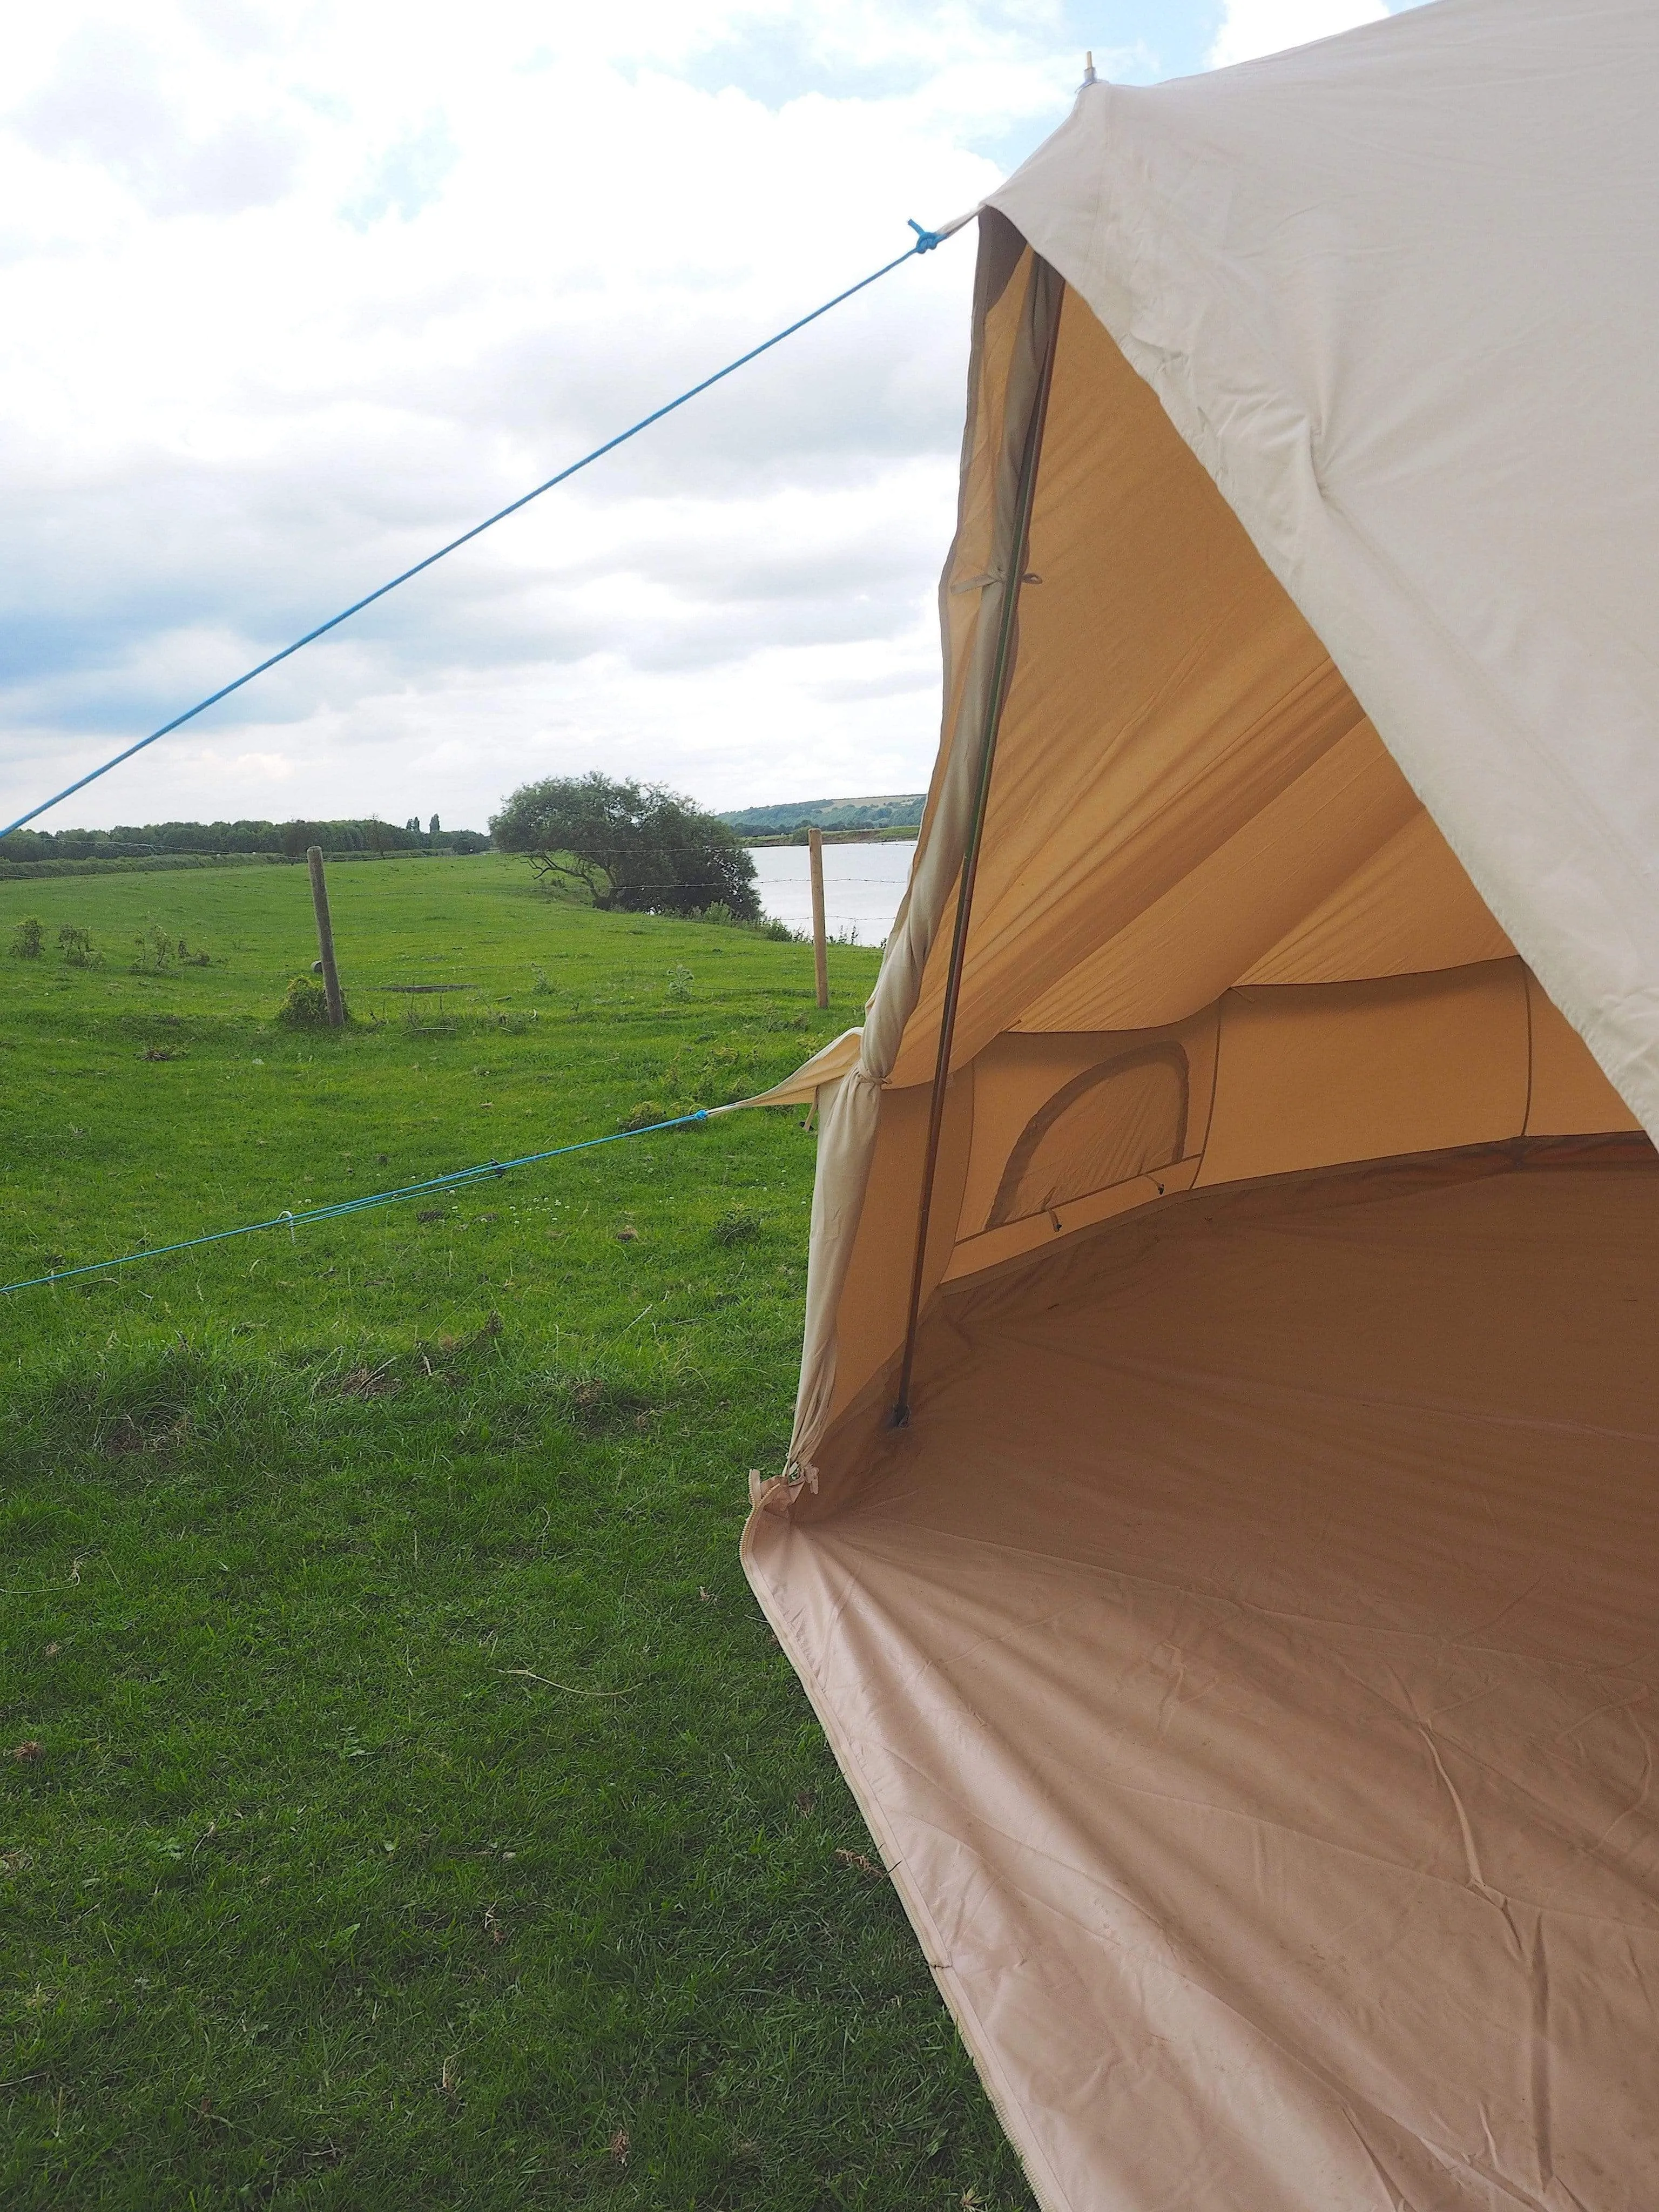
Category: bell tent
[1221,1539]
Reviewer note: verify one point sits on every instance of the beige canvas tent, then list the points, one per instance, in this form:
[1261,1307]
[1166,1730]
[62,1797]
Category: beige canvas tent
[1245,1653]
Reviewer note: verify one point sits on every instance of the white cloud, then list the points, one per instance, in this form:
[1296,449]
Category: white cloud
[273,767]
[1250,28]
[288,295]
[104,101]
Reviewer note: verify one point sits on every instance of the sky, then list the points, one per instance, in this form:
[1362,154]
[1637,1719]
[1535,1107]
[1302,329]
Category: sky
[290,293]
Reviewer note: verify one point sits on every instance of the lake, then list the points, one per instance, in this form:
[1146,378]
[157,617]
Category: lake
[862,886]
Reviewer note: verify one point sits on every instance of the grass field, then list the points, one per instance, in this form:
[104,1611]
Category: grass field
[406,1804]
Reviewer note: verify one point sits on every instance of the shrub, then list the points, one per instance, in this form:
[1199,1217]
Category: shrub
[541,984]
[304,1005]
[156,953]
[780,932]
[158,950]
[633,847]
[679,983]
[77,947]
[719,912]
[27,938]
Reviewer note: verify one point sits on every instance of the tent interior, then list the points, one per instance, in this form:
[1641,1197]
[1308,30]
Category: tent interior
[1245,1655]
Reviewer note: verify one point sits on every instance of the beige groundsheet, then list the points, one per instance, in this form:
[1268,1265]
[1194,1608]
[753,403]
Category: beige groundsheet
[1246,1663]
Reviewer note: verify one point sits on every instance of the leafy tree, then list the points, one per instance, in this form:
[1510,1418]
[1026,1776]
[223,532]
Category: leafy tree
[633,847]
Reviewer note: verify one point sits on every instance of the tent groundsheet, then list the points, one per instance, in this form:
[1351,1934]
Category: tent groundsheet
[1248,1662]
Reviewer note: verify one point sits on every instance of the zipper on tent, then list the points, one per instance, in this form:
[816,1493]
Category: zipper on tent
[1016,574]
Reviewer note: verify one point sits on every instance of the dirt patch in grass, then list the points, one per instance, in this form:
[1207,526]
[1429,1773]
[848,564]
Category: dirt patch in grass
[597,1405]
[151,1431]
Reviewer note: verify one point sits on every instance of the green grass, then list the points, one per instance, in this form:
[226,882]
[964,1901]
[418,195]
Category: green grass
[423,1814]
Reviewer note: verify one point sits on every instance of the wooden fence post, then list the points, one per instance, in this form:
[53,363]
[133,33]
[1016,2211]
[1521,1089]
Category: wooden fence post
[326,939]
[820,954]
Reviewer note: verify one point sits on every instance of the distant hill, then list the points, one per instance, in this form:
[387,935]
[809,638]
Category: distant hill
[897,810]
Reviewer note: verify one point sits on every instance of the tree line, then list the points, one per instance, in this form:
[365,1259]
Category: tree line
[215,840]
[629,847]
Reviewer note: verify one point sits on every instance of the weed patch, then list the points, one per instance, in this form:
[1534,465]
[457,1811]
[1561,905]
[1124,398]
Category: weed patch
[76,947]
[304,1004]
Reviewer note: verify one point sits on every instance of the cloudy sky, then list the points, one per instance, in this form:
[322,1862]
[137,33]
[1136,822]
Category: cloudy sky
[290,293]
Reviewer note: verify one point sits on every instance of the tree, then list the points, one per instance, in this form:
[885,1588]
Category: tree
[432,827]
[634,848]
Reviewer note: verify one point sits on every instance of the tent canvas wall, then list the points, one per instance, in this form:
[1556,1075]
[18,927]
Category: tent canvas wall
[1246,1655]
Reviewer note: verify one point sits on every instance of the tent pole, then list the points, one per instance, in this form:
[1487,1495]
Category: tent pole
[1001,668]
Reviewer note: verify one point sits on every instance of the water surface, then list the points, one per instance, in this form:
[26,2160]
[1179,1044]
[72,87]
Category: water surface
[862,886]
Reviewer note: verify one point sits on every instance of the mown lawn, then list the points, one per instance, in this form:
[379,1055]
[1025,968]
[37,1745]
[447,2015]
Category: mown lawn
[404,1803]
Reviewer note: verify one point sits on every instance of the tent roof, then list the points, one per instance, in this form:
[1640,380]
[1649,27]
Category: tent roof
[1397,292]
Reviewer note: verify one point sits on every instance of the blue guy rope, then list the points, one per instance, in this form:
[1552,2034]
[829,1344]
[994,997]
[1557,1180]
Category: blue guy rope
[457,1179]
[925,242]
